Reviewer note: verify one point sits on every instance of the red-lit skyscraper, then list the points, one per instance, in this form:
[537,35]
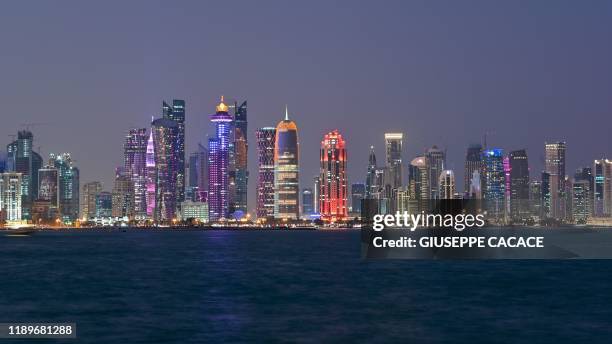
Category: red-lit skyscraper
[333,187]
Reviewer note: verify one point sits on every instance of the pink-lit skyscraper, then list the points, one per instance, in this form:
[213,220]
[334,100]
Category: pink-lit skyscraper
[150,176]
[135,149]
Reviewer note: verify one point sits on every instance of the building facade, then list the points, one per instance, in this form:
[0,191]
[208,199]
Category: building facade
[286,171]
[266,142]
[333,204]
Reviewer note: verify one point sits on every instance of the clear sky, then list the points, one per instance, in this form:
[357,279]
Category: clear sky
[441,72]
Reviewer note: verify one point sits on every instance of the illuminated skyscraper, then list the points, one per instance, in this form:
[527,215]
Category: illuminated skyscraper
[150,177]
[494,191]
[602,196]
[546,202]
[447,185]
[307,202]
[316,194]
[286,171]
[218,164]
[266,138]
[581,201]
[10,196]
[358,191]
[371,187]
[90,191]
[240,172]
[177,113]
[418,179]
[165,132]
[473,162]
[104,204]
[333,203]
[393,149]
[69,186]
[123,197]
[436,160]
[555,167]
[48,185]
[519,185]
[135,151]
[535,198]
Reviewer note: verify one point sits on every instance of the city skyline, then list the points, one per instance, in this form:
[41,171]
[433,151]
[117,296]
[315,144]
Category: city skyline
[506,81]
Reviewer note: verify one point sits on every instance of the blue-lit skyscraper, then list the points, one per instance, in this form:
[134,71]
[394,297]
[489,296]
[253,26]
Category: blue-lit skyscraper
[239,174]
[494,182]
[176,112]
[68,186]
[218,164]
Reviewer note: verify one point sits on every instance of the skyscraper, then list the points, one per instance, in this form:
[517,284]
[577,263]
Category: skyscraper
[602,197]
[393,149]
[218,164]
[418,179]
[446,184]
[436,160]
[69,186]
[555,167]
[266,138]
[10,196]
[581,200]
[286,171]
[177,113]
[316,190]
[90,191]
[546,199]
[165,132]
[494,183]
[123,197]
[307,202]
[519,184]
[333,203]
[240,171]
[473,162]
[104,204]
[358,193]
[371,187]
[135,151]
[150,177]
[48,185]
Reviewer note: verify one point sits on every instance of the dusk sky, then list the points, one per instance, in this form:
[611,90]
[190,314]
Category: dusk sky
[440,72]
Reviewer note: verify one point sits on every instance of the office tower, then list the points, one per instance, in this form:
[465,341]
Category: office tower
[519,184]
[266,138]
[446,184]
[555,167]
[68,186]
[37,164]
[494,182]
[165,132]
[535,198]
[371,187]
[581,200]
[239,170]
[135,152]
[20,161]
[90,191]
[104,204]
[11,156]
[393,149]
[333,190]
[475,190]
[316,194]
[358,192]
[202,194]
[307,202]
[48,185]
[193,165]
[3,163]
[546,203]
[218,164]
[286,171]
[586,174]
[602,195]
[150,177]
[436,160]
[10,196]
[418,179]
[176,113]
[473,162]
[123,196]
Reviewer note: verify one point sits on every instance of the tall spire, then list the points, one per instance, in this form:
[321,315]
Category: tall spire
[286,113]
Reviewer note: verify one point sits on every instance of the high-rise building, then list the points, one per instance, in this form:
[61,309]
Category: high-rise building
[48,185]
[316,194]
[176,113]
[10,196]
[371,187]
[123,197]
[535,198]
[602,195]
[135,151]
[20,158]
[358,193]
[266,138]
[585,174]
[546,198]
[446,184]
[104,204]
[475,190]
[519,185]
[581,200]
[436,160]
[218,164]
[473,162]
[150,177]
[494,178]
[393,149]
[333,203]
[286,171]
[37,164]
[418,179]
[239,171]
[307,202]
[165,132]
[555,167]
[90,191]
[192,176]
[69,186]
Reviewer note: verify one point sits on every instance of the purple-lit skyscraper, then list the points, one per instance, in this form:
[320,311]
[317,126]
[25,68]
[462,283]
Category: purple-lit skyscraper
[165,132]
[135,149]
[150,176]
[218,163]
